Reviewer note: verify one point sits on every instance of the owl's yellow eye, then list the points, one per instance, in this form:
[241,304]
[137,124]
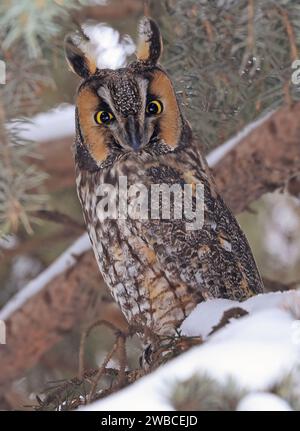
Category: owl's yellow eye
[154,107]
[103,117]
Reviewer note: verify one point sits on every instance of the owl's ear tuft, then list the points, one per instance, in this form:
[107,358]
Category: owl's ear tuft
[77,55]
[150,44]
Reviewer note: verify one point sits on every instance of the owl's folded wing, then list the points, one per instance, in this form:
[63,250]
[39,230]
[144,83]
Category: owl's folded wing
[213,261]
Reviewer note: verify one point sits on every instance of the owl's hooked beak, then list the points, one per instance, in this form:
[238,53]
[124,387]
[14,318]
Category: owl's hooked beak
[133,133]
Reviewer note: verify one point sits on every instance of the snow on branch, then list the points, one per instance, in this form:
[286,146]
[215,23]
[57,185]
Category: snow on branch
[55,124]
[62,264]
[257,351]
[216,155]
[49,308]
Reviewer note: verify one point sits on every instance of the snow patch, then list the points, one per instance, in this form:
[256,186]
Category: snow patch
[256,350]
[263,401]
[8,242]
[281,227]
[107,47]
[57,123]
[208,314]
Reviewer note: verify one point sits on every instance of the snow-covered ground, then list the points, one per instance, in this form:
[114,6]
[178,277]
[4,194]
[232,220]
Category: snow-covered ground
[257,351]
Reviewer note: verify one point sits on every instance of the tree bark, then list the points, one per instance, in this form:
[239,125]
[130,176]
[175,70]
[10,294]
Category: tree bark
[263,162]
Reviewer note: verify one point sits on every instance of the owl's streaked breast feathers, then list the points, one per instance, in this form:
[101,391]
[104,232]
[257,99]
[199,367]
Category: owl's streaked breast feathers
[129,124]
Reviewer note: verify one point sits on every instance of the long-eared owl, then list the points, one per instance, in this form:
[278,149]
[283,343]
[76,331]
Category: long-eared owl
[129,125]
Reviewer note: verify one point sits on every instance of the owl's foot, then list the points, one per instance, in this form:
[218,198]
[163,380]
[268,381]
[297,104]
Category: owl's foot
[167,348]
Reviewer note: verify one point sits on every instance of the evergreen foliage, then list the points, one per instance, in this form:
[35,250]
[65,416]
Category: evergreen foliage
[31,34]
[203,393]
[231,60]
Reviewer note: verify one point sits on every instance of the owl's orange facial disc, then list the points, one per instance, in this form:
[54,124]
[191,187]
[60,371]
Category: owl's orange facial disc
[169,119]
[96,137]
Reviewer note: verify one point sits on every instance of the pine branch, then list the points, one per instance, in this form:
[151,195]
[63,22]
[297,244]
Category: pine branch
[19,181]
[34,24]
[231,60]
[27,31]
[204,393]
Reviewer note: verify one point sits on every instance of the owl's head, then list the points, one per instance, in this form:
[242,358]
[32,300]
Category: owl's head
[128,110]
